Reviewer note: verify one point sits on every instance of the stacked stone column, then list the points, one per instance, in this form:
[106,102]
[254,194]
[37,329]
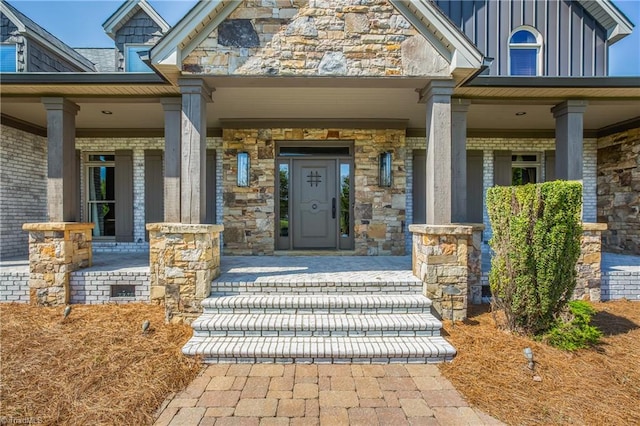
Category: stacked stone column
[589,279]
[445,255]
[55,250]
[184,259]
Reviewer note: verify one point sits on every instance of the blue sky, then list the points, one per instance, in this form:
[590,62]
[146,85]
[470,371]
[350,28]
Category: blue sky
[79,24]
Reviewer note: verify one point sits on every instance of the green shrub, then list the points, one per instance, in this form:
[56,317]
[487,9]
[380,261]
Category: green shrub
[575,333]
[536,244]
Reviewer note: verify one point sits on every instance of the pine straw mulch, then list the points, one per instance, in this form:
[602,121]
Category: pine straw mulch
[95,367]
[596,386]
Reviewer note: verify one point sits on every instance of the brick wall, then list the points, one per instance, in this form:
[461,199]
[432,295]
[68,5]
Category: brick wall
[23,187]
[94,288]
[14,287]
[488,145]
[619,191]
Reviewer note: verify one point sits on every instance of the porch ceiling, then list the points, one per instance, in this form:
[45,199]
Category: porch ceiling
[397,102]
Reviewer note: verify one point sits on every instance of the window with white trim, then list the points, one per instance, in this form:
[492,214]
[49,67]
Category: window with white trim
[132,61]
[525,168]
[8,57]
[525,52]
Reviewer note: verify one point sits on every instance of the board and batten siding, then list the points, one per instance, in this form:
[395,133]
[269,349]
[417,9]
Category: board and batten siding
[574,43]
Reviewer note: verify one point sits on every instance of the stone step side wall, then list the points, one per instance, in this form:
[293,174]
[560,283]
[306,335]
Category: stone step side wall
[621,285]
[95,288]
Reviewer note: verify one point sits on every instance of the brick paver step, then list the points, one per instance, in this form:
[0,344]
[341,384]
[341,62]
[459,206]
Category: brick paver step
[419,324]
[396,286]
[320,349]
[320,304]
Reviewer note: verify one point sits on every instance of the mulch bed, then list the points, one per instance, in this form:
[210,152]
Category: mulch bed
[595,386]
[94,367]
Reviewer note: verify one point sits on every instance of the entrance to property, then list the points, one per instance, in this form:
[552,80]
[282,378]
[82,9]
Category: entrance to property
[315,196]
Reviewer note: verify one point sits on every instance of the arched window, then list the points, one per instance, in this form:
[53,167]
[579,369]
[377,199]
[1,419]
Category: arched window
[525,52]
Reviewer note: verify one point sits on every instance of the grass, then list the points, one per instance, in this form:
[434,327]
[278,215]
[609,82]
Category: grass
[95,367]
[594,386]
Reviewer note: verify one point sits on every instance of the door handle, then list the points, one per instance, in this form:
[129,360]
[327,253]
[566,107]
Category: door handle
[333,208]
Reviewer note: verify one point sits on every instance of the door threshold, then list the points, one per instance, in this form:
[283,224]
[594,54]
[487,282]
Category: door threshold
[314,253]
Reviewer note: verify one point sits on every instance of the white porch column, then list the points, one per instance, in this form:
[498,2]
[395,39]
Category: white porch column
[439,184]
[62,184]
[569,132]
[172,153]
[459,109]
[195,95]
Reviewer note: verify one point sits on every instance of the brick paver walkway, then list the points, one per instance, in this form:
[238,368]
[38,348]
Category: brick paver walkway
[298,394]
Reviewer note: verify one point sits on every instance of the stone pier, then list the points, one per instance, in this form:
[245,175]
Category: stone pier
[589,279]
[55,250]
[184,259]
[446,255]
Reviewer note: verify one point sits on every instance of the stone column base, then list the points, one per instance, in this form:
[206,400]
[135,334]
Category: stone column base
[446,255]
[184,259]
[55,250]
[589,278]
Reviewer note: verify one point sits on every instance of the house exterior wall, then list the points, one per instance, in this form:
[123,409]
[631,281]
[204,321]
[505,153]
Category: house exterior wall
[249,213]
[23,187]
[9,34]
[140,29]
[574,44]
[41,59]
[619,191]
[489,145]
[316,39]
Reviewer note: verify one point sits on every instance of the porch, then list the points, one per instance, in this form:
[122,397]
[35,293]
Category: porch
[620,274]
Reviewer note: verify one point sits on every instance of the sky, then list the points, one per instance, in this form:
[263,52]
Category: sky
[79,24]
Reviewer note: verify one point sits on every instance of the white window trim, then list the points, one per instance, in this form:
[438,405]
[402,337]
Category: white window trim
[125,53]
[16,55]
[537,164]
[538,45]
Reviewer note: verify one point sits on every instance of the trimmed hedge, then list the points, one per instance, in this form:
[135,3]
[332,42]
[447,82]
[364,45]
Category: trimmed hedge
[536,244]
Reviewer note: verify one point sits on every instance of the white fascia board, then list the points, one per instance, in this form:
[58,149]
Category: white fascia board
[461,53]
[617,25]
[168,51]
[13,18]
[127,9]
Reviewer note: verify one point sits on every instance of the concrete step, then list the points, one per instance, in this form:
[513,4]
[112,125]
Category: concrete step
[405,286]
[363,350]
[411,325]
[316,304]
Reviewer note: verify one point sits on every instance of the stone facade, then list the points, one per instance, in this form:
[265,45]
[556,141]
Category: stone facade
[316,38]
[249,213]
[55,250]
[619,191]
[589,279]
[448,255]
[23,187]
[184,259]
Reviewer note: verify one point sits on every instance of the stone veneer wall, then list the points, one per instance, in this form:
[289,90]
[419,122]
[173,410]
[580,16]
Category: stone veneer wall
[316,37]
[589,266]
[619,191]
[249,213]
[448,255]
[55,250]
[23,187]
[184,259]
[488,145]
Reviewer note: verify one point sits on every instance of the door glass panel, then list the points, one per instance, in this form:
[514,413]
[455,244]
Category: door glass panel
[345,197]
[284,200]
[101,200]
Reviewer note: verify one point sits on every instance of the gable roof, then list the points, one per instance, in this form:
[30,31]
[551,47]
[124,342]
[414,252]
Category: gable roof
[126,11]
[610,17]
[103,58]
[205,16]
[30,29]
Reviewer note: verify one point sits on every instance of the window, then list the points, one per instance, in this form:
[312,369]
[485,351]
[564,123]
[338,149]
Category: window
[525,52]
[8,58]
[132,61]
[525,168]
[100,198]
